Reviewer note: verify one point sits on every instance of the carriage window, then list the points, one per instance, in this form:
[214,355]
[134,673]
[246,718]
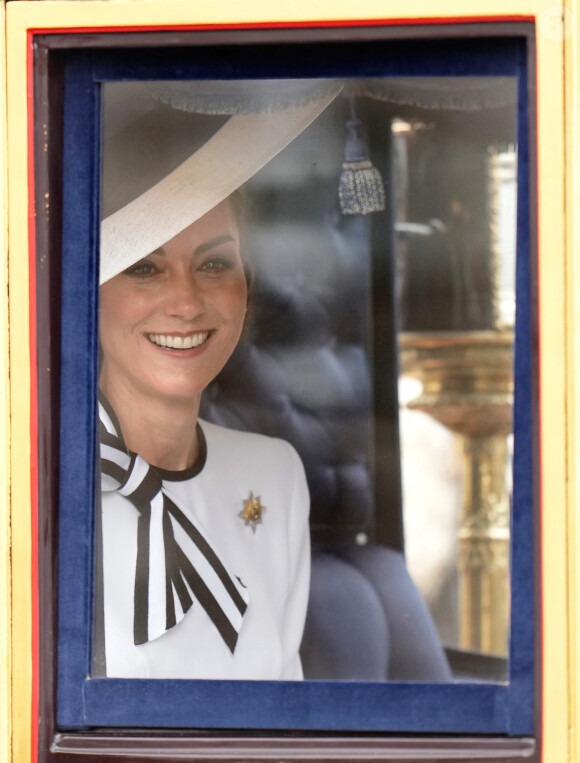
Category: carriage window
[304,395]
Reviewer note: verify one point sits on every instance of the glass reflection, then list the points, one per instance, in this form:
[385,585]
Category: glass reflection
[456,225]
[415,272]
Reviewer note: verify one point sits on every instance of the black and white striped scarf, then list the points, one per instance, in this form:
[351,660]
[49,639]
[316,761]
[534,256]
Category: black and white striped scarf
[176,564]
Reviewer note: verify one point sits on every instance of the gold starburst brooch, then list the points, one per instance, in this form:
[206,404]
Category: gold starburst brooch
[252,511]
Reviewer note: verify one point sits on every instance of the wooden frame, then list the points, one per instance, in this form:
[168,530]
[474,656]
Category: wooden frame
[24,17]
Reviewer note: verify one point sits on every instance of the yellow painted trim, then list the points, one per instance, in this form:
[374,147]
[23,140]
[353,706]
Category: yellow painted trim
[553,448]
[20,395]
[5,656]
[152,12]
[573,376]
[559,306]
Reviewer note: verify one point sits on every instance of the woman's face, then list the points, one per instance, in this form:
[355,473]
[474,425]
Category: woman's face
[169,322]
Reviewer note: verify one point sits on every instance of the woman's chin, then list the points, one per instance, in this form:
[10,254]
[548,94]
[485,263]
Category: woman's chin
[175,392]
[151,389]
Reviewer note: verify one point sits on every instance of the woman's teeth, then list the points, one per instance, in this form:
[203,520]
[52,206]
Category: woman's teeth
[178,342]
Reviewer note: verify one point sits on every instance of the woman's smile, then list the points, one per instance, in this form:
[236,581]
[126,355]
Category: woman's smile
[170,322]
[177,342]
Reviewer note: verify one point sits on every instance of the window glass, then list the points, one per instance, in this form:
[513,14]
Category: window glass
[456,228]
[364,215]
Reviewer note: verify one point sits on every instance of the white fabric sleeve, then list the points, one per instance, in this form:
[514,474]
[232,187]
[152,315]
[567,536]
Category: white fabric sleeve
[298,539]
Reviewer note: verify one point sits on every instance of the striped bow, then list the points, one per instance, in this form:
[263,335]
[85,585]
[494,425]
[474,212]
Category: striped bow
[176,564]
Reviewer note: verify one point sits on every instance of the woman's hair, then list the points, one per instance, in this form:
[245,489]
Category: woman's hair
[241,207]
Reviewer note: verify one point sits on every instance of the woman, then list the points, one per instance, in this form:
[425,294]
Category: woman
[204,531]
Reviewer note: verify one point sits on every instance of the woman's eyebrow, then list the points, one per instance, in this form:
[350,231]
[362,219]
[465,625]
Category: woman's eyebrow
[217,241]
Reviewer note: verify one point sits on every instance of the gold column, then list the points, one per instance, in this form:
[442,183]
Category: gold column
[468,386]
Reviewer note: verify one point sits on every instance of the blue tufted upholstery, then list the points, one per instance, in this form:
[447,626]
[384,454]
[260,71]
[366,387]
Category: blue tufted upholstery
[366,620]
[304,372]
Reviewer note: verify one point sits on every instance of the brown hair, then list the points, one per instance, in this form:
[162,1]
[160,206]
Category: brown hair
[240,205]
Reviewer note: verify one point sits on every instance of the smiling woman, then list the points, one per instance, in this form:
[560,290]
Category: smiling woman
[184,556]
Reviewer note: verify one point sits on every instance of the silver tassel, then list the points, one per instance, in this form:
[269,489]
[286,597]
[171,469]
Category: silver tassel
[360,186]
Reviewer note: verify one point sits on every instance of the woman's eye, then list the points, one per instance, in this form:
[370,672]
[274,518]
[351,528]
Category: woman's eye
[217,264]
[143,268]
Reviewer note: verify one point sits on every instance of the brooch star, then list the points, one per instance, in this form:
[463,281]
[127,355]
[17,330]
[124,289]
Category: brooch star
[252,511]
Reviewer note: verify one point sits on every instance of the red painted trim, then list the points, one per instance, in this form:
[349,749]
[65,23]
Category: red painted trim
[31,32]
[33,407]
[322,23]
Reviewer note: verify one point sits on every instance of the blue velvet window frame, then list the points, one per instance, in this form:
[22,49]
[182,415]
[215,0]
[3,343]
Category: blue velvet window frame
[82,702]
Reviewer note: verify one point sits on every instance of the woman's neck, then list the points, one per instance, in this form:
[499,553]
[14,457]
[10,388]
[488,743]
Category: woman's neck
[162,431]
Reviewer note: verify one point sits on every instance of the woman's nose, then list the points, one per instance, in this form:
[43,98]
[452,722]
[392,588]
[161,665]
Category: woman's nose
[185,298]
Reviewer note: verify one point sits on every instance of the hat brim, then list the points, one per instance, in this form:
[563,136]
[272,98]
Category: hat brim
[239,149]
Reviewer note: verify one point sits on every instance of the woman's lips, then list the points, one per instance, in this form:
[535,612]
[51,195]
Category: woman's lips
[173,342]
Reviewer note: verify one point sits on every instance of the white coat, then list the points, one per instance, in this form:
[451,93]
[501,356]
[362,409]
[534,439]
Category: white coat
[272,560]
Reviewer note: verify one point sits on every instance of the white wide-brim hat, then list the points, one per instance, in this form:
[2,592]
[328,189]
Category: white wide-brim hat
[161,171]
